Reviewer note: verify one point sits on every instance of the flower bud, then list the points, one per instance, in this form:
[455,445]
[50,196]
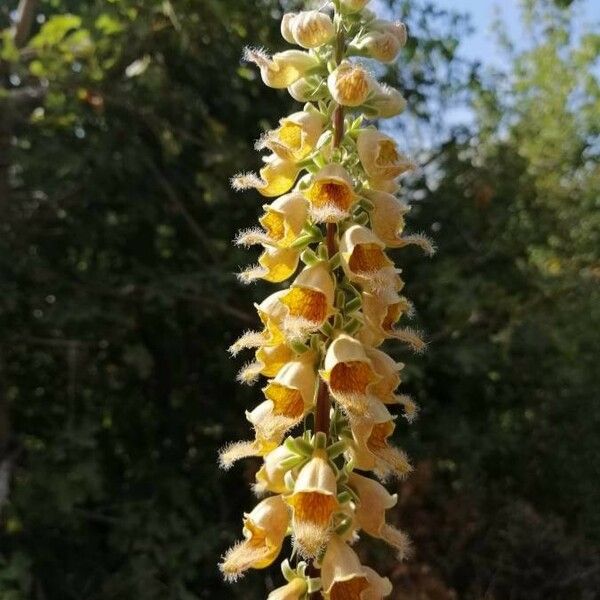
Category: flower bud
[283,68]
[286,29]
[294,590]
[311,28]
[353,6]
[383,46]
[350,84]
[396,28]
[388,102]
[308,89]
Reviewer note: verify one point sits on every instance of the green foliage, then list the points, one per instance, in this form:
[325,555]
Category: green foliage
[118,301]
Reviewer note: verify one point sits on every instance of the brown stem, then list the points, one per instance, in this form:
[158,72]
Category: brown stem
[323,399]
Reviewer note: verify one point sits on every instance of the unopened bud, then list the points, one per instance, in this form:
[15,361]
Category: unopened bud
[353,5]
[311,28]
[388,102]
[350,84]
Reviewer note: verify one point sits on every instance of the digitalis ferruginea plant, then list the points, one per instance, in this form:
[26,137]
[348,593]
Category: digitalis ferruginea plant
[332,216]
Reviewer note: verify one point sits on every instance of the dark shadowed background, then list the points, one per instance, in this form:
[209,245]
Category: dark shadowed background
[121,122]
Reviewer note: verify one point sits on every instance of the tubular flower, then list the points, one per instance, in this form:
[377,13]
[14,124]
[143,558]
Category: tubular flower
[264,531]
[387,102]
[383,46]
[296,136]
[330,194]
[365,262]
[309,301]
[294,590]
[371,450]
[349,373]
[375,500]
[344,578]
[329,386]
[288,398]
[350,84]
[313,502]
[380,316]
[283,68]
[274,265]
[309,29]
[380,157]
[271,476]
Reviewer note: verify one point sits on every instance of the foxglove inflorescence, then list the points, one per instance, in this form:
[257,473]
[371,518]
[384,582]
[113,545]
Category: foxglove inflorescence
[325,421]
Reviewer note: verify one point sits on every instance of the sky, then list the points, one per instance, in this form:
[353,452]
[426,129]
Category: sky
[482,44]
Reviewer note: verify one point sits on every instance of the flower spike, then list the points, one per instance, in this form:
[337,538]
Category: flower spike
[331,393]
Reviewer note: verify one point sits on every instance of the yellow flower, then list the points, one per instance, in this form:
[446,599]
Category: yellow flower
[296,589]
[330,194]
[375,500]
[387,222]
[314,502]
[283,219]
[344,578]
[371,450]
[296,136]
[383,46]
[379,587]
[388,370]
[350,84]
[380,315]
[278,176]
[365,262]
[273,358]
[309,29]
[349,373]
[380,157]
[354,5]
[387,101]
[264,531]
[309,301]
[395,28]
[274,265]
[271,476]
[288,397]
[283,68]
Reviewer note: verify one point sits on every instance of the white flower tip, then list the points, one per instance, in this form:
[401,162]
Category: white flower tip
[235,451]
[251,274]
[258,56]
[249,373]
[251,237]
[246,181]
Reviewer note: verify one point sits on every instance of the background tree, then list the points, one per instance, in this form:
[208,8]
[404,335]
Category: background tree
[115,317]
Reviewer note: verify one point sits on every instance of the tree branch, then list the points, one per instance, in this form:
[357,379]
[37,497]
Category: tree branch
[25,17]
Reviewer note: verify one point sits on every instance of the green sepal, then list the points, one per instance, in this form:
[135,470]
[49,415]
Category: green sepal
[287,571]
[299,446]
[352,326]
[344,497]
[302,242]
[291,462]
[344,526]
[335,261]
[362,218]
[327,330]
[299,347]
[353,305]
[337,449]
[309,258]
